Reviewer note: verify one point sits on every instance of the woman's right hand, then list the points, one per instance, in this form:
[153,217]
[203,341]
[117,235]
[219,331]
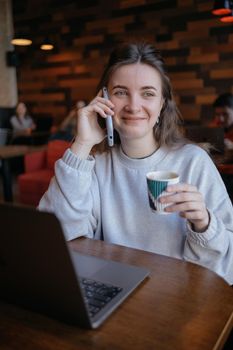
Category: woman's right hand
[89,132]
[88,129]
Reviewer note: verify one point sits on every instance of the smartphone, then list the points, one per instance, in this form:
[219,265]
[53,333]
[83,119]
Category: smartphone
[109,123]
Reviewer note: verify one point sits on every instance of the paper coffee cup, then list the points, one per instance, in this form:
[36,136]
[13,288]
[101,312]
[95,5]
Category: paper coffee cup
[157,182]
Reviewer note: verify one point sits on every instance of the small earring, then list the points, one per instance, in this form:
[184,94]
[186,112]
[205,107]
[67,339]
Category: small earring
[158,120]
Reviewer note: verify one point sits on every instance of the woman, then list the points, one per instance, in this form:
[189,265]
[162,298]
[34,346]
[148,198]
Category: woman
[105,196]
[223,116]
[22,123]
[68,128]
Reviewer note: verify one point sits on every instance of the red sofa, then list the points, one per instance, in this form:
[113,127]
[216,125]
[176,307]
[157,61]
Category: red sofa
[39,169]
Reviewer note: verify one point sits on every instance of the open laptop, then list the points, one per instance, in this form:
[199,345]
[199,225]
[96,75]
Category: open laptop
[38,271]
[205,134]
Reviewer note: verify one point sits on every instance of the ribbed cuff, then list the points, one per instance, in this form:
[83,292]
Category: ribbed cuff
[77,163]
[204,237]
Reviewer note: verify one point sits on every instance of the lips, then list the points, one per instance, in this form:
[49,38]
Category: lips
[133,119]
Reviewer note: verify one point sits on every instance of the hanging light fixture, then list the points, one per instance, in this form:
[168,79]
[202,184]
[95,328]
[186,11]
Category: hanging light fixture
[228,18]
[47,45]
[223,8]
[21,40]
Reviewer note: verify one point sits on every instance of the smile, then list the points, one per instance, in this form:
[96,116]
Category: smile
[132,119]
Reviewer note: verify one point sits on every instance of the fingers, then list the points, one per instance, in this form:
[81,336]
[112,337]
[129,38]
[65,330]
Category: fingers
[104,101]
[186,199]
[187,207]
[181,187]
[182,194]
[182,197]
[102,106]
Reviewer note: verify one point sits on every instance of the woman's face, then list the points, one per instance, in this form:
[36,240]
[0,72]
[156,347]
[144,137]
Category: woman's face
[136,92]
[224,116]
[21,109]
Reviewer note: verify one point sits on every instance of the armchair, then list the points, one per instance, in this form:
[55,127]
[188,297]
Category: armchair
[39,169]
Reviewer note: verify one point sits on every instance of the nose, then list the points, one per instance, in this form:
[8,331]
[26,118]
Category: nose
[133,104]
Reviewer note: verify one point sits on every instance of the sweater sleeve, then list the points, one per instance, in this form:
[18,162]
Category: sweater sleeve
[214,247]
[74,197]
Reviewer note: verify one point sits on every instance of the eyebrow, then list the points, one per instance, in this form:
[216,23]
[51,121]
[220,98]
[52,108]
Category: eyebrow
[149,87]
[143,88]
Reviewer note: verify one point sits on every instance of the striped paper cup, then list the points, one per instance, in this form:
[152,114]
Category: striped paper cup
[157,182]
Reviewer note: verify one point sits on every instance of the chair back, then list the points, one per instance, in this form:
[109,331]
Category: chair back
[4,136]
[55,150]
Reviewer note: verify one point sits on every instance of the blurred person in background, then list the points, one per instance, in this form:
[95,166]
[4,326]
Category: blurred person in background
[223,116]
[68,128]
[22,123]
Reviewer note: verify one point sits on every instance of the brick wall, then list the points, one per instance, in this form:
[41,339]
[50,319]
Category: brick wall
[197,47]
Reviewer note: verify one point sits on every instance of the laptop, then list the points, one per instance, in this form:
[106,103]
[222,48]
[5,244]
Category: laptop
[205,134]
[40,272]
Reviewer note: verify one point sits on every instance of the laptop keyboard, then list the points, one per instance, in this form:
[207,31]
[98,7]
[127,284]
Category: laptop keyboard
[98,294]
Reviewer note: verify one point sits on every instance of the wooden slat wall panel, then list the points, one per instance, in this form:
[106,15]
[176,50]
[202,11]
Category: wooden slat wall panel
[197,48]
[221,73]
[130,3]
[44,97]
[204,58]
[187,84]
[204,99]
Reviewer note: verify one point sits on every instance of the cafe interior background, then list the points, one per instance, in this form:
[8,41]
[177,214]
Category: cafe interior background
[197,46]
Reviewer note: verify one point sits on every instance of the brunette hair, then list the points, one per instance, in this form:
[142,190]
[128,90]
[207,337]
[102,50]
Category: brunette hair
[224,100]
[169,131]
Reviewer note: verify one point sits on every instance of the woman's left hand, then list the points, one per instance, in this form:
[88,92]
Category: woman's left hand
[187,200]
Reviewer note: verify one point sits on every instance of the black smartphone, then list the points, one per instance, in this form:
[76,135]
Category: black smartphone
[109,123]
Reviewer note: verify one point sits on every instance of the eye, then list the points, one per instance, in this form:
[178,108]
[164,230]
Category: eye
[148,93]
[120,93]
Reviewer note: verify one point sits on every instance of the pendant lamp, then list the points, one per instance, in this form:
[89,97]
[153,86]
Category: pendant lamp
[21,40]
[47,45]
[224,8]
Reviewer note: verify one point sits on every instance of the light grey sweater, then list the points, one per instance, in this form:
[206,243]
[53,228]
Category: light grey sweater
[105,197]
[17,125]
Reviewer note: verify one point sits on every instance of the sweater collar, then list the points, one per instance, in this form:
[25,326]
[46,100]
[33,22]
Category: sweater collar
[135,163]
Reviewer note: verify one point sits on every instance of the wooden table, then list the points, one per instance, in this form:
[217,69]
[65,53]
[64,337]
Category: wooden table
[6,153]
[181,306]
